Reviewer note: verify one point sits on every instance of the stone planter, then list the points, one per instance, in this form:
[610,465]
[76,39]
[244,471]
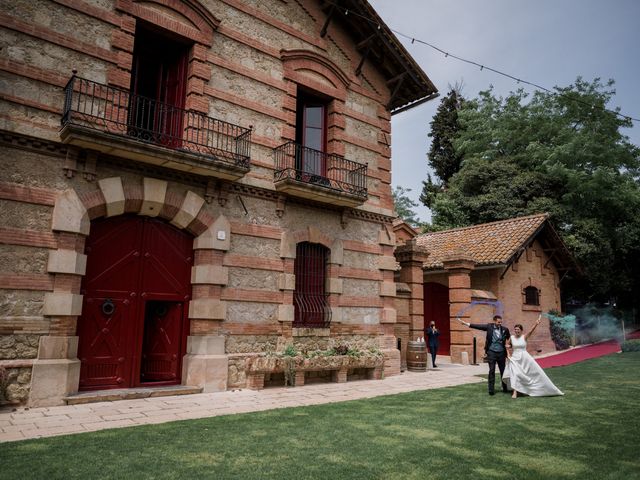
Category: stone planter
[257,366]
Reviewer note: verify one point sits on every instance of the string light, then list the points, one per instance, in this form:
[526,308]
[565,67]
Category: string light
[483,67]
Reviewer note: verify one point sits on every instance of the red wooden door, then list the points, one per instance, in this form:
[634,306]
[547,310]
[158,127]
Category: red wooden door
[436,308]
[134,263]
[172,92]
[161,346]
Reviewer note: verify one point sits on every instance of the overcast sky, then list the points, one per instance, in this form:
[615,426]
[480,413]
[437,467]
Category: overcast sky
[547,42]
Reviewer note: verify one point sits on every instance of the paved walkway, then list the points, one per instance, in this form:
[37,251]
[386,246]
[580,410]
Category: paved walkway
[46,422]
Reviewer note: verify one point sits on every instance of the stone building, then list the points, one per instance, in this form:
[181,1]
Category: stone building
[188,183]
[512,267]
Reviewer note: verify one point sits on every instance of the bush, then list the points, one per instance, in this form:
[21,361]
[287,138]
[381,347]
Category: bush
[559,335]
[631,346]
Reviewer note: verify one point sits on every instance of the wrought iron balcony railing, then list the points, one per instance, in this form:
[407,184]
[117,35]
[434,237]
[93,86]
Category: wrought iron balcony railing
[120,112]
[313,167]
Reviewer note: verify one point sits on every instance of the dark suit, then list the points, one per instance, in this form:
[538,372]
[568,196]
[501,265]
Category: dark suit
[494,357]
[432,336]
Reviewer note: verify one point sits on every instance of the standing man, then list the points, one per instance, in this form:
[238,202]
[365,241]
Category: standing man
[432,341]
[495,348]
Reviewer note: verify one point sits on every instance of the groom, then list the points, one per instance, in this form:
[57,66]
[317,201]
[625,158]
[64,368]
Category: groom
[495,348]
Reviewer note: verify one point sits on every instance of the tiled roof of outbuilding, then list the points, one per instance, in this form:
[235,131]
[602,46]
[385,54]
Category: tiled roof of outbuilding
[487,244]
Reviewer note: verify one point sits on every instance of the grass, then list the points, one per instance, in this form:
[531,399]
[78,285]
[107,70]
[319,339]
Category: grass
[450,433]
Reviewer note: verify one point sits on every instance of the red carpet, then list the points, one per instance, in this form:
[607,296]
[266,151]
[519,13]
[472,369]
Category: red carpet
[579,354]
[584,353]
[633,335]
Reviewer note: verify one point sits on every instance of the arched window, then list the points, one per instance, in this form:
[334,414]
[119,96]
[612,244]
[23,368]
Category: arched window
[310,301]
[531,295]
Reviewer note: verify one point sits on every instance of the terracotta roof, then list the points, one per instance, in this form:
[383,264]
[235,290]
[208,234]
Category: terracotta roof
[493,243]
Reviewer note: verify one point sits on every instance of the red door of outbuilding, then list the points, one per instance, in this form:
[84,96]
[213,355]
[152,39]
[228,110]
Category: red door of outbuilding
[134,322]
[436,308]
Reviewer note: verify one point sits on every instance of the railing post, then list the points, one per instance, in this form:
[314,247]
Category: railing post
[68,98]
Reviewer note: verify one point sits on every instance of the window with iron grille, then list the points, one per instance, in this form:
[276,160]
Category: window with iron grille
[310,301]
[531,296]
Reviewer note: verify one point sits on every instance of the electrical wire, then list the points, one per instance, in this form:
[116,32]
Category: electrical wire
[447,54]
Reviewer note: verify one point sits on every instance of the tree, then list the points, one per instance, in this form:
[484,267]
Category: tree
[561,153]
[442,157]
[404,206]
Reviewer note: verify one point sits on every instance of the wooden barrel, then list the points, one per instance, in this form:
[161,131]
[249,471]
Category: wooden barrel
[417,356]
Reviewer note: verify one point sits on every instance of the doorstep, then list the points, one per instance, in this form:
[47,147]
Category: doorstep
[129,394]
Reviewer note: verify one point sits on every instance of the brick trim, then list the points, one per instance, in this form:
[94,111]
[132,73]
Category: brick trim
[28,238]
[34,195]
[259,231]
[204,22]
[27,281]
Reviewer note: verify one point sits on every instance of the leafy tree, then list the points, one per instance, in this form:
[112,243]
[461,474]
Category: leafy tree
[404,206]
[443,158]
[561,153]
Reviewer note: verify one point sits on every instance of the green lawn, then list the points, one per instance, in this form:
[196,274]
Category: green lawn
[592,432]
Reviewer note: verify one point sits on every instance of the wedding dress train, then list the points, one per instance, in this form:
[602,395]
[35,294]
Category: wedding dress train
[523,374]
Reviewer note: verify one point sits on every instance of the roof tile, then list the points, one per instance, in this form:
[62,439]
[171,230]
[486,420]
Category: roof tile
[488,243]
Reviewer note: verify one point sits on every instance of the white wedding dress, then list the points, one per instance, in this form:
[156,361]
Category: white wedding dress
[523,374]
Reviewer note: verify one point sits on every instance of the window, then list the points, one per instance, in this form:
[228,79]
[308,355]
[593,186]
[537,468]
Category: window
[531,296]
[309,298]
[311,134]
[158,87]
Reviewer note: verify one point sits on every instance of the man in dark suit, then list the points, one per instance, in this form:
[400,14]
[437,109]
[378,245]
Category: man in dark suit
[495,348]
[432,340]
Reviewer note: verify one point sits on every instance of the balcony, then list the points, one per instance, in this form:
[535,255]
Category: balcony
[117,122]
[314,175]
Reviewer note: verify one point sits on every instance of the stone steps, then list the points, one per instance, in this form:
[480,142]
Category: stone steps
[129,394]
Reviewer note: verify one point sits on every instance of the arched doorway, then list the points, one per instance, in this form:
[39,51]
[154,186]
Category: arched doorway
[134,322]
[436,308]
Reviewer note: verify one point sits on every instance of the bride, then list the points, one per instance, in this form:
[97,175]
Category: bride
[523,374]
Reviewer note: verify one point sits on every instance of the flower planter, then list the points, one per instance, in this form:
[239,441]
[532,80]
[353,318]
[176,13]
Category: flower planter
[339,365]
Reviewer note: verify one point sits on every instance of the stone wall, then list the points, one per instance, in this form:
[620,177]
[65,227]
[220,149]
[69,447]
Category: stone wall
[17,383]
[18,346]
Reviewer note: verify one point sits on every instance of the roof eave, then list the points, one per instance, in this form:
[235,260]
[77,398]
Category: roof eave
[409,84]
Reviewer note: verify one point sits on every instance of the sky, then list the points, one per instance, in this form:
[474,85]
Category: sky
[546,42]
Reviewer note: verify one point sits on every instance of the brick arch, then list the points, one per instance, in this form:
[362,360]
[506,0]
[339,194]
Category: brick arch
[71,224]
[196,22]
[296,62]
[151,198]
[310,234]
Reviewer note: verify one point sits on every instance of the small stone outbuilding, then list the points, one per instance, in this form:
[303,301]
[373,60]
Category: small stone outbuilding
[512,267]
